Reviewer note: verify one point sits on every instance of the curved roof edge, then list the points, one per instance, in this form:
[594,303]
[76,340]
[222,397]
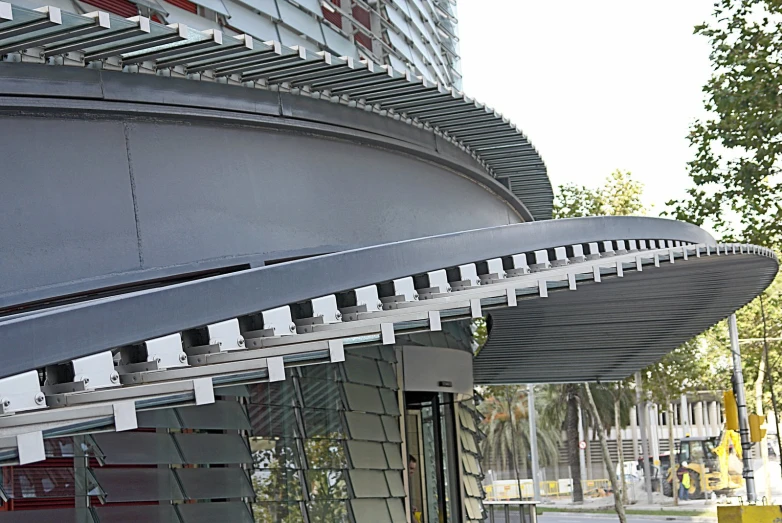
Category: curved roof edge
[138,45]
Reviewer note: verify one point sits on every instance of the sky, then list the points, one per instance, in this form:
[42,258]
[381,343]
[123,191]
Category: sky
[596,86]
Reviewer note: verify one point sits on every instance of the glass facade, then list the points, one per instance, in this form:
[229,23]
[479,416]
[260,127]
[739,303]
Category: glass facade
[326,443]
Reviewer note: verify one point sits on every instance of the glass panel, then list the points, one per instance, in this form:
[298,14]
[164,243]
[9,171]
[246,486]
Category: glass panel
[277,393]
[328,512]
[391,426]
[369,483]
[277,484]
[373,351]
[234,511]
[60,515]
[215,483]
[394,456]
[274,453]
[397,510]
[388,375]
[66,448]
[370,511]
[327,484]
[137,448]
[157,419]
[325,454]
[39,483]
[362,370]
[239,391]
[213,448]
[322,372]
[137,484]
[365,426]
[272,421]
[367,455]
[277,513]
[363,398]
[395,485]
[321,394]
[388,353]
[220,415]
[133,514]
[321,423]
[390,403]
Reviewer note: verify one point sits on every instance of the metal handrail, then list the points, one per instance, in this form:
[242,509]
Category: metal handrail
[504,511]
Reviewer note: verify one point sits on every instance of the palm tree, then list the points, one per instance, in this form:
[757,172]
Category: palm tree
[507,446]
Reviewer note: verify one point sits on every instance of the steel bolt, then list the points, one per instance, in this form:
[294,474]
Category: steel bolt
[40,398]
[6,402]
[182,358]
[114,377]
[240,342]
[338,315]
[292,328]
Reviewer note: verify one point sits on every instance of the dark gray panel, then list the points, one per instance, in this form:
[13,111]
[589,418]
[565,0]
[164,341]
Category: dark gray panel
[235,512]
[158,419]
[316,111]
[124,485]
[134,514]
[285,192]
[137,448]
[208,449]
[215,483]
[34,80]
[220,415]
[60,515]
[68,212]
[173,91]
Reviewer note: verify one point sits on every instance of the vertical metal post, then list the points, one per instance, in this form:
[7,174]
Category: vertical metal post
[582,436]
[741,402]
[533,438]
[641,409]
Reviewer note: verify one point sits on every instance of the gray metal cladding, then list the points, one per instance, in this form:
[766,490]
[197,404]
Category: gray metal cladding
[246,194]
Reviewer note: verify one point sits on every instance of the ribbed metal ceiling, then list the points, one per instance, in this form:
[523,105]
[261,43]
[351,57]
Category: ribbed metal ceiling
[138,45]
[607,331]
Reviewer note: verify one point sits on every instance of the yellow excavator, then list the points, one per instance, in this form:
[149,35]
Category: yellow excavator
[714,464]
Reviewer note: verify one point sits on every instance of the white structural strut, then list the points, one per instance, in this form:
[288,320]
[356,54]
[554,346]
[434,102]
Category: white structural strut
[225,354]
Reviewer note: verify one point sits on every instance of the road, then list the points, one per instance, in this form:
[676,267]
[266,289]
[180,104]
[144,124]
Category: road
[594,518]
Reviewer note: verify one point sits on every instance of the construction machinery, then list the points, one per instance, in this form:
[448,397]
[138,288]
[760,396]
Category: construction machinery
[714,464]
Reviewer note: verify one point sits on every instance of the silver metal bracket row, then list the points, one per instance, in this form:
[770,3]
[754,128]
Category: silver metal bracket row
[157,372]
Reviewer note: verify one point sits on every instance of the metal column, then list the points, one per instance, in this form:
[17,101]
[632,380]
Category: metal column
[533,438]
[741,401]
[641,409]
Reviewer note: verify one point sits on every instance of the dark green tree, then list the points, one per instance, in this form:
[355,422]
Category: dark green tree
[735,171]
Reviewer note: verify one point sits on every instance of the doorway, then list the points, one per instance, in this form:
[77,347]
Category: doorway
[435,490]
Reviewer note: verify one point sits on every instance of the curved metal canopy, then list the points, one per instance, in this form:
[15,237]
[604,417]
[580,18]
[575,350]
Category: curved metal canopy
[642,286]
[607,331]
[138,45]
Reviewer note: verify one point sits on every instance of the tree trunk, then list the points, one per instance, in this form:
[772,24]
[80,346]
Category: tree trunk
[571,429]
[759,410]
[619,450]
[620,509]
[672,448]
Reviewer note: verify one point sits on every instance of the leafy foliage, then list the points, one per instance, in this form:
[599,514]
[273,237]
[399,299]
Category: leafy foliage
[619,196]
[736,169]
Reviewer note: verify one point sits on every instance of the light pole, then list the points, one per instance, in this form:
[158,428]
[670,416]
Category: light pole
[741,402]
